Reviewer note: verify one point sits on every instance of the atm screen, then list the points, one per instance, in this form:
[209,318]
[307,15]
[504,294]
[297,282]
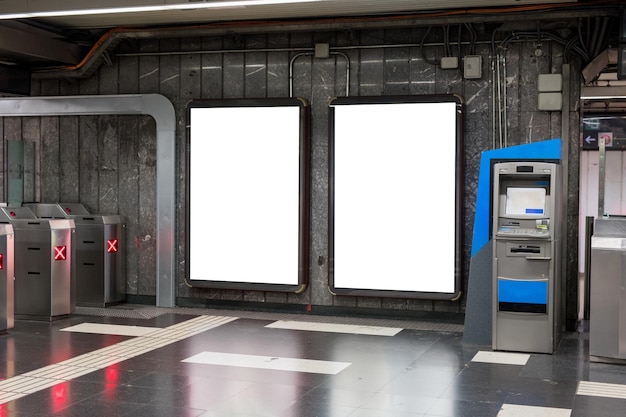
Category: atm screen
[525,201]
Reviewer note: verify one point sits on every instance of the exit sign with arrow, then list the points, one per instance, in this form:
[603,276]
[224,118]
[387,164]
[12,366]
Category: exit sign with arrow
[591,140]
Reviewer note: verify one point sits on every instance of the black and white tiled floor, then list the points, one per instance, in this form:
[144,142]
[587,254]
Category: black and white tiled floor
[199,363]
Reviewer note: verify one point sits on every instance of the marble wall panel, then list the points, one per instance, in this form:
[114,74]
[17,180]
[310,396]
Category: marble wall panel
[109,163]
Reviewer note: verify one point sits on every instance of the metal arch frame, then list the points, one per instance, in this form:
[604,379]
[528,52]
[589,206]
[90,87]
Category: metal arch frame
[159,108]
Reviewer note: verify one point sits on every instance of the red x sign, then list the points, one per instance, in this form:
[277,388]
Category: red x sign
[1,261]
[60,253]
[112,245]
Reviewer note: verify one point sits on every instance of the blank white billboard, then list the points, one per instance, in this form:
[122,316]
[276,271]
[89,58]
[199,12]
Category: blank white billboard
[395,208]
[244,203]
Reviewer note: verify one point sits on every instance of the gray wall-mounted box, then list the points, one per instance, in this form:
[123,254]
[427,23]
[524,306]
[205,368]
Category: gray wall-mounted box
[472,66]
[550,83]
[550,101]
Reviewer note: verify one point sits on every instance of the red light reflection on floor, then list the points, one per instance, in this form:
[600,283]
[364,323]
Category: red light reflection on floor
[59,396]
[111,375]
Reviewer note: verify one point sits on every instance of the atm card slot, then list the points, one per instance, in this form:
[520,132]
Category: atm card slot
[526,249]
[89,264]
[89,242]
[33,248]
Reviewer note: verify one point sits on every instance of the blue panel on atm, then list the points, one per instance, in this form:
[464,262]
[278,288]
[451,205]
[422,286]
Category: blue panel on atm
[523,296]
[541,151]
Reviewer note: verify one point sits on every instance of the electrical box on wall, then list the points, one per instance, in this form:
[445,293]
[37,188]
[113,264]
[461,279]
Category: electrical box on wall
[322,50]
[449,62]
[472,66]
[549,87]
[550,82]
[550,101]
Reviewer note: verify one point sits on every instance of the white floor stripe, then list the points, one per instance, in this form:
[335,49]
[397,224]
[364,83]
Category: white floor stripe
[6,397]
[335,328]
[601,389]
[152,338]
[268,362]
[115,329]
[28,385]
[514,410]
[503,358]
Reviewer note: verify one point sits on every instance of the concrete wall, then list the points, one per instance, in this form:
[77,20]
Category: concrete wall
[108,163]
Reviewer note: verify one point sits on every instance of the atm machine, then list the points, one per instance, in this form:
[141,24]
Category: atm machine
[526,256]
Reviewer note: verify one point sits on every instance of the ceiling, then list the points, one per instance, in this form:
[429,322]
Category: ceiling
[57,33]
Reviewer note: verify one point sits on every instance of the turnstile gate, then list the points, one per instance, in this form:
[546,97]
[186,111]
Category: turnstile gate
[607,326]
[100,261]
[7,277]
[42,264]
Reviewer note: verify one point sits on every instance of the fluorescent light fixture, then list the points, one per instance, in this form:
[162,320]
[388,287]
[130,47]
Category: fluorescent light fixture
[150,8]
[607,97]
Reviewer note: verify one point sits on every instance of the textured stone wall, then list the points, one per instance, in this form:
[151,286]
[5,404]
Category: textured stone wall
[108,163]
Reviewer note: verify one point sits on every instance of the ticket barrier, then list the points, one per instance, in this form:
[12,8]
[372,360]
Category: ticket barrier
[53,211]
[100,260]
[607,326]
[7,277]
[42,264]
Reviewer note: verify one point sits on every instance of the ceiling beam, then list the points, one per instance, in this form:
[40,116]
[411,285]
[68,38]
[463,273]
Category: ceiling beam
[21,44]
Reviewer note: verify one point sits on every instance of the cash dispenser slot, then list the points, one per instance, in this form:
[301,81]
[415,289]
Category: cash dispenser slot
[523,296]
[528,250]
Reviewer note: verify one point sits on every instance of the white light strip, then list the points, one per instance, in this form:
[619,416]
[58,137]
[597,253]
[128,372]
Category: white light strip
[156,8]
[602,97]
